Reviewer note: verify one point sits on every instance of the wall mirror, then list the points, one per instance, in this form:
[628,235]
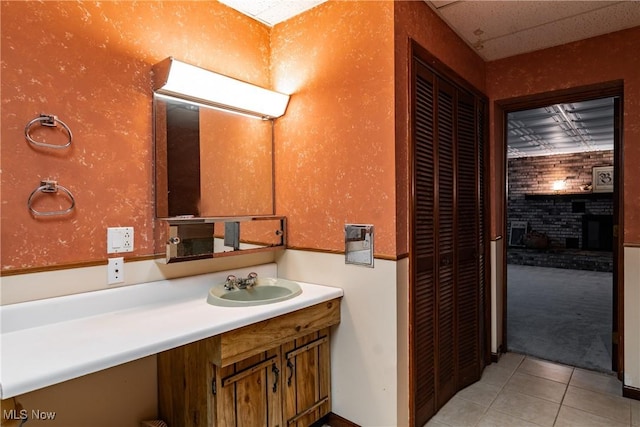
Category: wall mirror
[214,163]
[211,163]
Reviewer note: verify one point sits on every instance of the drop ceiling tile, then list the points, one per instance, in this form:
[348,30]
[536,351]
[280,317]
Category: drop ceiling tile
[284,10]
[499,18]
[596,22]
[249,7]
[272,12]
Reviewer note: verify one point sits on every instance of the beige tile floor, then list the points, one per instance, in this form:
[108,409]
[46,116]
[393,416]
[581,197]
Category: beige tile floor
[521,391]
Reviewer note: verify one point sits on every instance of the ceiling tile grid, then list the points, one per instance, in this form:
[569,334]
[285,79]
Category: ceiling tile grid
[561,129]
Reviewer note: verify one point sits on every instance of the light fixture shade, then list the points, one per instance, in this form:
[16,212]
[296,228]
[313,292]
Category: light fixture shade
[181,80]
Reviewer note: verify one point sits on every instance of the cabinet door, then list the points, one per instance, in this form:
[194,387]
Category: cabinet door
[306,364]
[248,393]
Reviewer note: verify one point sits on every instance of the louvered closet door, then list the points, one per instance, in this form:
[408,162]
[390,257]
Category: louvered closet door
[448,245]
[446,227]
[485,304]
[424,249]
[467,297]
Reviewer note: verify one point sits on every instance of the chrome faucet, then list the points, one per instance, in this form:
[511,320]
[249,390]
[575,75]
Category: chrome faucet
[234,282]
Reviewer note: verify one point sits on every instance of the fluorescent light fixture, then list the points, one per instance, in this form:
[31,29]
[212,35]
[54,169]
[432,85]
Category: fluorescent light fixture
[181,80]
[559,185]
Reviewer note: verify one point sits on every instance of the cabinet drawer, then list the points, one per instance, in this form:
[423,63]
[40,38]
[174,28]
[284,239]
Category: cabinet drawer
[233,346]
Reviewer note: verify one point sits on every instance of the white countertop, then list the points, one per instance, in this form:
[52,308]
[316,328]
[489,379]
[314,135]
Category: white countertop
[57,339]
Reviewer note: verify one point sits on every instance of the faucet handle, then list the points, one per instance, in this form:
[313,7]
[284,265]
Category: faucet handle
[231,282]
[252,278]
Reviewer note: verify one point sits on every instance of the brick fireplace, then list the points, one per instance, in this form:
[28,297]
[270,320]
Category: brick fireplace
[577,221]
[597,232]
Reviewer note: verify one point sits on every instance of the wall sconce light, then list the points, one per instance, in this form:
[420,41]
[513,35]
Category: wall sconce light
[559,185]
[194,84]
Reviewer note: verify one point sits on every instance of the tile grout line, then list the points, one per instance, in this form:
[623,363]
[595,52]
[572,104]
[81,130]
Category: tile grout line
[492,401]
[501,388]
[561,403]
[566,390]
[601,393]
[536,376]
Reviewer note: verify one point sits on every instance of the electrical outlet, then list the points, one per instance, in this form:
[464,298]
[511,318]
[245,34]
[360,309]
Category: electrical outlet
[119,239]
[115,271]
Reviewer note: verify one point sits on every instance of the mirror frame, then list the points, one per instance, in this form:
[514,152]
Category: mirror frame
[175,227]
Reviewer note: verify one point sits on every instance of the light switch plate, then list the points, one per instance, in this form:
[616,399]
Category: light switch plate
[119,239]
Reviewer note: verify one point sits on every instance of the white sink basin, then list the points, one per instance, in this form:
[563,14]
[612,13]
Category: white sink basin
[265,291]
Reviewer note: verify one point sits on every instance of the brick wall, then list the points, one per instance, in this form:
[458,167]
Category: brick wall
[536,175]
[558,214]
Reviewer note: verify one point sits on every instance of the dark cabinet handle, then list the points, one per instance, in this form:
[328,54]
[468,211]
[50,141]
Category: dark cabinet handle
[276,372]
[290,366]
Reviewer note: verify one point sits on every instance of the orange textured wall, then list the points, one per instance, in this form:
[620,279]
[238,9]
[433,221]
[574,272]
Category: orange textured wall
[415,20]
[90,64]
[242,160]
[335,152]
[606,58]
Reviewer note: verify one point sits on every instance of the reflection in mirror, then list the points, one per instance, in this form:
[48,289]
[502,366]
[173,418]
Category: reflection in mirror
[199,238]
[211,163]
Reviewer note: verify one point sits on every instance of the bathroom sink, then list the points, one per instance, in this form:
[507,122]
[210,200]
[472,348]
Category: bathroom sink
[265,291]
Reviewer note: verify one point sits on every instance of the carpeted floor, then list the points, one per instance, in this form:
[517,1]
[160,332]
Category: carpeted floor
[560,315]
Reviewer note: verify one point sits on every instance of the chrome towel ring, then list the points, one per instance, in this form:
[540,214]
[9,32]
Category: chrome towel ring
[48,120]
[51,187]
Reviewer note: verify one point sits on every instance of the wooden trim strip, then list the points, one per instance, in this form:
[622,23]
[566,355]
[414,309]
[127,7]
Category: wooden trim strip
[631,392]
[248,371]
[28,270]
[337,421]
[574,94]
[308,410]
[336,252]
[312,344]
[17,271]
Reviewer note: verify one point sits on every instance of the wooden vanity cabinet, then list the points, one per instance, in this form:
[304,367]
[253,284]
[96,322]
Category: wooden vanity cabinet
[285,382]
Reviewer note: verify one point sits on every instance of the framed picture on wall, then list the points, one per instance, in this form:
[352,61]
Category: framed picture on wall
[517,232]
[602,179]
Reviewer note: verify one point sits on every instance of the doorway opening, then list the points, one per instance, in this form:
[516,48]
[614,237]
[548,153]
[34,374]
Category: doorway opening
[561,216]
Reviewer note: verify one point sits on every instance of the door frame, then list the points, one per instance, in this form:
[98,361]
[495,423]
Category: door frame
[582,93]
